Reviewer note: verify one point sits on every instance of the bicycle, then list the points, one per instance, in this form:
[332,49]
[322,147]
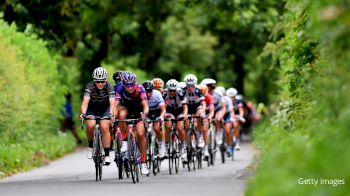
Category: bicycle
[192,142]
[133,154]
[153,161]
[120,158]
[211,144]
[174,147]
[98,151]
[220,142]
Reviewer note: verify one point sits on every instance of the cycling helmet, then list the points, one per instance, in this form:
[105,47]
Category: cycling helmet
[148,85]
[158,83]
[203,88]
[172,84]
[116,76]
[207,81]
[231,92]
[99,74]
[128,78]
[221,89]
[181,85]
[190,79]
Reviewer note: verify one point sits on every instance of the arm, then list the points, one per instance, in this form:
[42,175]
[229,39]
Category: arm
[116,108]
[211,112]
[145,106]
[84,104]
[111,105]
[162,111]
[184,110]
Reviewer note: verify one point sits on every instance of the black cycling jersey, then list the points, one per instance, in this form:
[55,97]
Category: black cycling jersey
[193,98]
[175,102]
[99,98]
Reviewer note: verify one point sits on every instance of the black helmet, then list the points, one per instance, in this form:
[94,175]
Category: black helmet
[116,76]
[148,85]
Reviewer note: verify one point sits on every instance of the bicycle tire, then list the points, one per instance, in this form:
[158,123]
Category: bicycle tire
[176,154]
[170,153]
[119,156]
[210,148]
[132,158]
[149,154]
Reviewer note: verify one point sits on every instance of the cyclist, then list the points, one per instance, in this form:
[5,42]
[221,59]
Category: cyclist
[117,78]
[209,102]
[156,112]
[97,101]
[131,102]
[228,119]
[239,113]
[195,102]
[158,84]
[219,106]
[176,107]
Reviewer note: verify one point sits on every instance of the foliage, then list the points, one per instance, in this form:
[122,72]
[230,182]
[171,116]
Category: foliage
[308,137]
[29,103]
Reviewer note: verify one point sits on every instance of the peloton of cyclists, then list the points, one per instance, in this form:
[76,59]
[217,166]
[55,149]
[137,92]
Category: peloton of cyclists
[128,99]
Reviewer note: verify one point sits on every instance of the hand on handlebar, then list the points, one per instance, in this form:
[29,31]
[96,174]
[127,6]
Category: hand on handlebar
[82,116]
[143,116]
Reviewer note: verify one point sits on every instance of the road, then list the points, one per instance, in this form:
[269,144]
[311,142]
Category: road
[74,175]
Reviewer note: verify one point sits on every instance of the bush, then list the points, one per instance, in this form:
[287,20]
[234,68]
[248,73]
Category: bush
[30,99]
[309,137]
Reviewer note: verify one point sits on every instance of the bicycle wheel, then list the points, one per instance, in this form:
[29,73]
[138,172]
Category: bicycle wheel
[155,162]
[137,163]
[194,150]
[176,152]
[132,158]
[118,156]
[170,153]
[222,148]
[149,152]
[210,148]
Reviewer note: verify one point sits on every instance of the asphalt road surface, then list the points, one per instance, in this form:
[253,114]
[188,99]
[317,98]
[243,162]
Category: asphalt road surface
[74,175]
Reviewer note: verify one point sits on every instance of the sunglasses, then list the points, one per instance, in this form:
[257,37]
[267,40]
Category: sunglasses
[101,82]
[129,85]
[150,91]
[172,91]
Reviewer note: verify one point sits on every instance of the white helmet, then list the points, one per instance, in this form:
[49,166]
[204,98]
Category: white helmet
[181,85]
[100,73]
[231,92]
[190,79]
[172,84]
[207,81]
[221,89]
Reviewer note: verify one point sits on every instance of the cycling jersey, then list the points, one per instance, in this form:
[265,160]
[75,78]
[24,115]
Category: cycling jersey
[208,101]
[119,83]
[131,101]
[236,105]
[218,99]
[99,99]
[155,101]
[193,99]
[228,103]
[174,104]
